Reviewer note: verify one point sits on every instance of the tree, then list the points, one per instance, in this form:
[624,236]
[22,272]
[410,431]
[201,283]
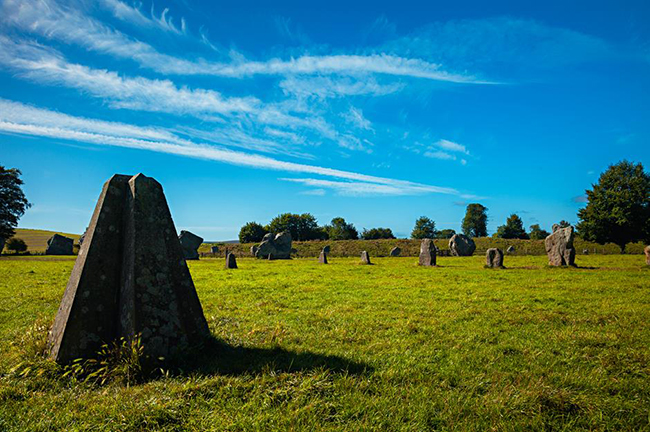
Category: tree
[536,233]
[513,229]
[339,229]
[377,233]
[17,245]
[424,228]
[12,201]
[618,206]
[475,221]
[302,227]
[252,232]
[445,233]
[564,224]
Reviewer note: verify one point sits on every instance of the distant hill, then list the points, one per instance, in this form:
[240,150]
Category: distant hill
[37,239]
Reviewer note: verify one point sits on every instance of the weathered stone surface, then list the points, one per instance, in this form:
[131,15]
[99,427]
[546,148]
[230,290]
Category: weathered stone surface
[82,237]
[129,279]
[322,258]
[214,249]
[395,252]
[326,249]
[559,247]
[275,247]
[231,261]
[647,255]
[190,243]
[461,245]
[365,258]
[428,253]
[494,258]
[511,249]
[59,245]
[254,249]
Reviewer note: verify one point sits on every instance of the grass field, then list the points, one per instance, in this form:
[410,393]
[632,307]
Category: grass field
[347,347]
[37,239]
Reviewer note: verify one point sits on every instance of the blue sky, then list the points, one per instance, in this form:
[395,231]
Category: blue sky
[378,112]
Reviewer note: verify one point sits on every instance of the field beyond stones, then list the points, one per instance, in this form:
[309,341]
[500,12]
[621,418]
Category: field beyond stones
[391,346]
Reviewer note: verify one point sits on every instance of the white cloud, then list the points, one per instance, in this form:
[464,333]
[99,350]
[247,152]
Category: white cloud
[134,15]
[355,117]
[437,154]
[324,87]
[452,146]
[22,119]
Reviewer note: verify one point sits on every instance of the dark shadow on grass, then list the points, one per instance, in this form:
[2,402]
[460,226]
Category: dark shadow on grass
[217,357]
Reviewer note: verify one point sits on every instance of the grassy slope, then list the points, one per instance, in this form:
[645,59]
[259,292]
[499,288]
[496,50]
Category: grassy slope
[347,347]
[37,239]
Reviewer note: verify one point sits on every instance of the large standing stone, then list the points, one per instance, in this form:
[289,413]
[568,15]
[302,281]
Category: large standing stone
[559,247]
[190,243]
[365,258]
[322,258]
[214,249]
[461,245]
[130,279]
[275,247]
[395,252]
[427,253]
[231,261]
[494,258]
[647,254]
[59,245]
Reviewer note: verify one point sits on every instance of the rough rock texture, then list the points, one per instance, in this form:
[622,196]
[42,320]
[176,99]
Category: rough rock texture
[365,258]
[395,252]
[559,247]
[59,245]
[231,261]
[511,249]
[190,243]
[428,252]
[275,247]
[647,254]
[494,258]
[214,249]
[254,250]
[129,279]
[461,245]
[322,258]
[326,249]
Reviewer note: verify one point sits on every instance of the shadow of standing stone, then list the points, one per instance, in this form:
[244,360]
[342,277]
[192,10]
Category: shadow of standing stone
[59,245]
[129,280]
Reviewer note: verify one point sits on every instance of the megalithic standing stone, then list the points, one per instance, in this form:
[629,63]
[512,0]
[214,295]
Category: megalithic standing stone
[231,261]
[322,258]
[130,279]
[427,253]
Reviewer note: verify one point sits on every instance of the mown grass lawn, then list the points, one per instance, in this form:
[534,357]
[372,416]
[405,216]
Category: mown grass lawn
[391,346]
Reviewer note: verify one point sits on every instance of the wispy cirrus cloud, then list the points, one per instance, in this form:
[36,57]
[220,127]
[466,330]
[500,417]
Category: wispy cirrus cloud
[17,118]
[134,15]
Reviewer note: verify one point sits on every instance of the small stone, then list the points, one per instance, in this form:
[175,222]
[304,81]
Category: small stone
[231,261]
[511,249]
[559,247]
[395,252]
[59,245]
[461,245]
[427,253]
[322,258]
[190,243]
[365,258]
[494,258]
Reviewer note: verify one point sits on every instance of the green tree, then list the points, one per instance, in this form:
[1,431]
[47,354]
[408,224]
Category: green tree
[475,221]
[513,229]
[618,206]
[536,233]
[377,233]
[12,201]
[424,228]
[564,224]
[252,232]
[302,227]
[445,233]
[339,229]
[17,245]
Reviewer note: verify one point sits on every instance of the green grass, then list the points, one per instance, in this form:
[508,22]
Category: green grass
[343,347]
[37,239]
